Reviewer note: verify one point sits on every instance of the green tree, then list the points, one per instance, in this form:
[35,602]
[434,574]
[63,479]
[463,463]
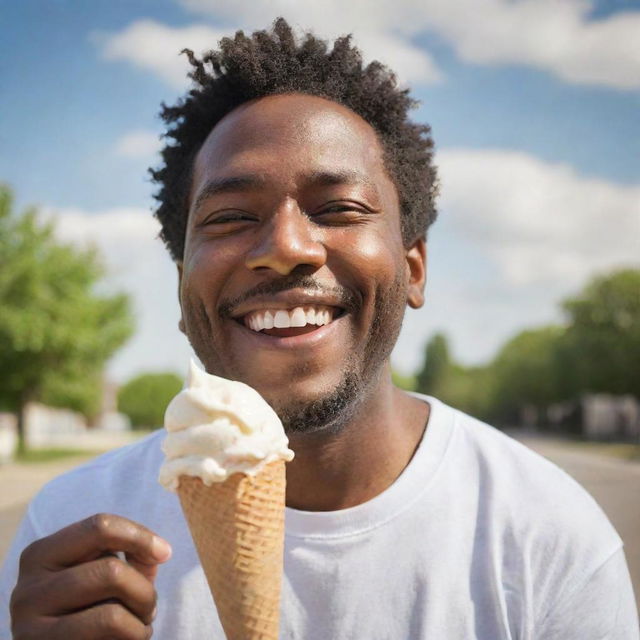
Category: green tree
[466,388]
[470,389]
[527,371]
[145,397]
[56,331]
[602,343]
[437,364]
[402,381]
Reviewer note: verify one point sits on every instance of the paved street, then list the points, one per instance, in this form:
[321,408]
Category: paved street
[614,483]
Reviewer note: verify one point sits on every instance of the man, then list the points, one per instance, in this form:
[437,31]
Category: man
[295,180]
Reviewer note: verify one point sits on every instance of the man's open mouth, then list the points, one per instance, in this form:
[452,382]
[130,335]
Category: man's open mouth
[285,323]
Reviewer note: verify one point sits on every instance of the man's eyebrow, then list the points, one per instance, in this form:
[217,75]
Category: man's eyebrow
[343,176]
[247,182]
[227,185]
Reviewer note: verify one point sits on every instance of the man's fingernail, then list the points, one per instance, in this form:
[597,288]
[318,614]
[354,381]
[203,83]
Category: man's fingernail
[161,549]
[154,613]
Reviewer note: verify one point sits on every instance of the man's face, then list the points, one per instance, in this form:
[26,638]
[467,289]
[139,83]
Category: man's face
[295,278]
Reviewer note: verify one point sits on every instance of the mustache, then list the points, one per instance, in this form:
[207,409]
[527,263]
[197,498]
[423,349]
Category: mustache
[347,298]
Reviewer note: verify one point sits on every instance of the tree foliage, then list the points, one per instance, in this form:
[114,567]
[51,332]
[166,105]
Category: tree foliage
[56,331]
[603,337]
[402,381]
[470,389]
[598,350]
[527,371]
[434,372]
[145,398]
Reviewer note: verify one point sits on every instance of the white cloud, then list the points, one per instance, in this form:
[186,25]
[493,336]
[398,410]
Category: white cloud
[554,36]
[138,264]
[137,144]
[540,223]
[515,237]
[558,37]
[154,47]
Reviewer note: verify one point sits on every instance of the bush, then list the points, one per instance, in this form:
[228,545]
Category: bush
[145,398]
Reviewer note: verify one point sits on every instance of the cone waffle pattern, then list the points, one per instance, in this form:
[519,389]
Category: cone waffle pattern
[238,529]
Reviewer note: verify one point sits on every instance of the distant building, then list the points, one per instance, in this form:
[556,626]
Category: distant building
[8,436]
[109,417]
[597,416]
[44,425]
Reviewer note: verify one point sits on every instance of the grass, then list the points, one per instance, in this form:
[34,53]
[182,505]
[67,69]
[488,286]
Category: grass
[35,456]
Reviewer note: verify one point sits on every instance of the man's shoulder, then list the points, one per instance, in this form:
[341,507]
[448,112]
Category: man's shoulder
[530,492]
[122,481]
[534,503]
[143,454]
[498,454]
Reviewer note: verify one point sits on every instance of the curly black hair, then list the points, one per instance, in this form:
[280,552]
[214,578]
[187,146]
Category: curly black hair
[267,63]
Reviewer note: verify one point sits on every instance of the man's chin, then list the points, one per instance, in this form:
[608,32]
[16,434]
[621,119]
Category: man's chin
[313,413]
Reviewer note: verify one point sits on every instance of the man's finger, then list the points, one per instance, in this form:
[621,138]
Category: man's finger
[102,621]
[93,582]
[149,571]
[91,538]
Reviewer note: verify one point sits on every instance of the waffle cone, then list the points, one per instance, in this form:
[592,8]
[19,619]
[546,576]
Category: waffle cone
[238,529]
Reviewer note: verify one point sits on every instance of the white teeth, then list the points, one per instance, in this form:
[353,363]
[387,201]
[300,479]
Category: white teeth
[298,317]
[283,318]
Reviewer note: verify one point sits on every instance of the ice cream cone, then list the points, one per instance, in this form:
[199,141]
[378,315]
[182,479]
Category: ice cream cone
[238,530]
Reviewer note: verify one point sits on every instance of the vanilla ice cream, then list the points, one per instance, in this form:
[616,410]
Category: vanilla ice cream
[217,427]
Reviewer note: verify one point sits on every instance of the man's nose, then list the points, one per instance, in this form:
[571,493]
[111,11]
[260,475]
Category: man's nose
[289,239]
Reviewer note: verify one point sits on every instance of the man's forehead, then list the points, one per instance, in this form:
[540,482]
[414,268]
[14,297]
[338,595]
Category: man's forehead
[303,119]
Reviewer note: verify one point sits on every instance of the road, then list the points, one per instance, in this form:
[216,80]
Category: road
[614,483]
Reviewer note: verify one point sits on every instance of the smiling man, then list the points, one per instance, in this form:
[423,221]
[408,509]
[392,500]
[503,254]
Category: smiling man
[295,199]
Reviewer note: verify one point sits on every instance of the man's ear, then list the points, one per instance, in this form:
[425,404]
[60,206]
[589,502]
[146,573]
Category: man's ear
[181,321]
[417,271]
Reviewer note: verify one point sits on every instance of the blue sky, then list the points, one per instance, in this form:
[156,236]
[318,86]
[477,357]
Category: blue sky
[534,107]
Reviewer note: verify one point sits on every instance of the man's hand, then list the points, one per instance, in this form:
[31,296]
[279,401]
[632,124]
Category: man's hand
[72,586]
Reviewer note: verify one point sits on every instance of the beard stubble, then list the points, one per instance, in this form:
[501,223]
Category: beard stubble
[332,411]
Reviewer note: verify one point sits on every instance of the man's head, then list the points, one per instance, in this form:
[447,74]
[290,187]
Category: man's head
[266,63]
[296,249]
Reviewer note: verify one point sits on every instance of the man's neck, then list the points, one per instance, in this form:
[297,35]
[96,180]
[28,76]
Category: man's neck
[344,469]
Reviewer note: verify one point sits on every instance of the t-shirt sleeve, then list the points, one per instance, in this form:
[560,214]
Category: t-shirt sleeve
[27,533]
[603,607]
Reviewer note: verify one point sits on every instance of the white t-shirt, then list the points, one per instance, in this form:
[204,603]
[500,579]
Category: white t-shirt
[478,538]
